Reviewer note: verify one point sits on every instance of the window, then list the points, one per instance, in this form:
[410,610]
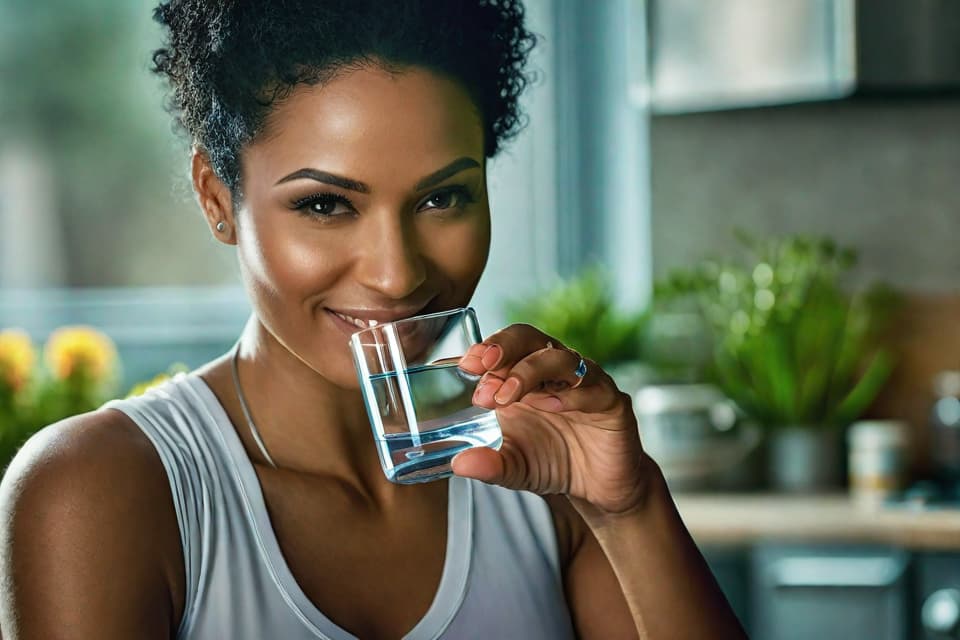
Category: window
[93,185]
[98,222]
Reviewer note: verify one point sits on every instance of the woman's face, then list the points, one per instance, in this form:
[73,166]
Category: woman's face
[364,200]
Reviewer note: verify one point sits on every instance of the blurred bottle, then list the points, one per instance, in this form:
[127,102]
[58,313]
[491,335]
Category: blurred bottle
[945,428]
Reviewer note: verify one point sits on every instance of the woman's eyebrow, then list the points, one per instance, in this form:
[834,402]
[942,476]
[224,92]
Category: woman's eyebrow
[327,178]
[455,167]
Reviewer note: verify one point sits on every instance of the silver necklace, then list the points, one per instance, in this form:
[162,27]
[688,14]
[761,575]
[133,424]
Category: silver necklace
[246,410]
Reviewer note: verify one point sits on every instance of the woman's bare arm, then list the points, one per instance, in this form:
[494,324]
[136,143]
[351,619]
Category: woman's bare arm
[86,526]
[594,596]
[641,573]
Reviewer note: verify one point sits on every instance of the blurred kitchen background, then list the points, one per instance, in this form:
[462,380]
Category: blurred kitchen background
[747,210]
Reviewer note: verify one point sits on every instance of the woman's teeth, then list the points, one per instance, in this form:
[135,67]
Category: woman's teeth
[363,324]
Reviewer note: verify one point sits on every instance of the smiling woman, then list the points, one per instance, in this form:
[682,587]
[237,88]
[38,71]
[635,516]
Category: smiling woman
[345,213]
[341,148]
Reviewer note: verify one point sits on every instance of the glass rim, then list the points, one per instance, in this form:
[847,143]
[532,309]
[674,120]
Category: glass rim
[356,335]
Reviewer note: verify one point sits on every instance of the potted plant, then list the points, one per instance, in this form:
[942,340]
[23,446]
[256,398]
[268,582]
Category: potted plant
[581,313]
[796,350]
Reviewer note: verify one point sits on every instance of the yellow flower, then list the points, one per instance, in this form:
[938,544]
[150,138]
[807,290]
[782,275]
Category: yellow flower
[142,387]
[70,350]
[17,358]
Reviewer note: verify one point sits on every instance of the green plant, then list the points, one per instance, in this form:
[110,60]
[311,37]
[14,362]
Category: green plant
[77,373]
[791,345]
[580,312]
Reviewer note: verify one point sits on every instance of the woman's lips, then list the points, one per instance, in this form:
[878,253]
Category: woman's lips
[359,322]
[415,338]
[352,321]
[348,328]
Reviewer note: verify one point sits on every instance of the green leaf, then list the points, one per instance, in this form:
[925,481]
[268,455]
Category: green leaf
[865,391]
[794,347]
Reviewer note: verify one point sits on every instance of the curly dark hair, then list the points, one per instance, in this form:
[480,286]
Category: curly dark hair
[228,62]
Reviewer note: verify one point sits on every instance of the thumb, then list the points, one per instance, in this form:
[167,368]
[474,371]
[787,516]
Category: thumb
[480,463]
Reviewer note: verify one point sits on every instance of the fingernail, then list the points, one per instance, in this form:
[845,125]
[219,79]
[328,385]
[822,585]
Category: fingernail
[491,356]
[507,390]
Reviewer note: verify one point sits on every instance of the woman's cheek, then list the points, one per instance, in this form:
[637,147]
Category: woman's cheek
[297,263]
[469,247]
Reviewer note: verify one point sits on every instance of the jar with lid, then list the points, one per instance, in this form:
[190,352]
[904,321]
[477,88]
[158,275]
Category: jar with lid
[878,460]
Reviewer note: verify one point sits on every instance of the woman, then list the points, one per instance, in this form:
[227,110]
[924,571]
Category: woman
[341,147]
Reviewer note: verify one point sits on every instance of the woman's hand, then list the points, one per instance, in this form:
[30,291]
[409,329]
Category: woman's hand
[561,433]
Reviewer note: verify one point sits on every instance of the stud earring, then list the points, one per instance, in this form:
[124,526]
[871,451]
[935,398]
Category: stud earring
[221,226]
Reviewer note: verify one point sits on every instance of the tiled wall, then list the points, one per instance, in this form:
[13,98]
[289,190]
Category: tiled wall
[881,175]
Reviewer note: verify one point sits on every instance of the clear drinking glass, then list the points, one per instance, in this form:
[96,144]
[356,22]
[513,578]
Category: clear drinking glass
[418,399]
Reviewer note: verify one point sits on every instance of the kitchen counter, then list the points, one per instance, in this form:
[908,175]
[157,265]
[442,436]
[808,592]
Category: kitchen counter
[741,519]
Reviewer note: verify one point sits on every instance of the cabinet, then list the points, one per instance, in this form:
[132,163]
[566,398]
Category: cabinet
[826,592]
[821,591]
[938,596]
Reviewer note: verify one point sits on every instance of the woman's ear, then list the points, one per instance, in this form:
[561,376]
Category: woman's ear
[214,198]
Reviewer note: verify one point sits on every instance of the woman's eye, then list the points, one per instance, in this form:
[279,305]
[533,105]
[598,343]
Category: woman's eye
[448,199]
[324,205]
[440,200]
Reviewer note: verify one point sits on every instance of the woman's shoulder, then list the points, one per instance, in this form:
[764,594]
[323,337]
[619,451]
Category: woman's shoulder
[84,452]
[86,498]
[96,468]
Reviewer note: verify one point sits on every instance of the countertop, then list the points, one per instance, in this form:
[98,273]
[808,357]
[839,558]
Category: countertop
[741,519]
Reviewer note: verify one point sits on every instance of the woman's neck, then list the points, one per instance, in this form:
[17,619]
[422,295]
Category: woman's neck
[307,423]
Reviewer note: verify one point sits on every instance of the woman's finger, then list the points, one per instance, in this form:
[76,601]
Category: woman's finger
[598,398]
[480,463]
[501,350]
[551,369]
[546,380]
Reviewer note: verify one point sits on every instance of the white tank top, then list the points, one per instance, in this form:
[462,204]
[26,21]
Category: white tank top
[501,576]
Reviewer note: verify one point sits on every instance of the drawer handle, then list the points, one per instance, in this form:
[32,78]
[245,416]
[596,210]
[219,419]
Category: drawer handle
[876,573]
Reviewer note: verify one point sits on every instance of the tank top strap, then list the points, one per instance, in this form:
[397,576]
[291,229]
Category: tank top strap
[178,423]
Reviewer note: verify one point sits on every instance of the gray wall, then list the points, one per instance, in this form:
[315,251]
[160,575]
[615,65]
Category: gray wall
[879,175]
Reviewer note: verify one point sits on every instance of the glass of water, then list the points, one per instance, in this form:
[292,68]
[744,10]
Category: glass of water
[418,399]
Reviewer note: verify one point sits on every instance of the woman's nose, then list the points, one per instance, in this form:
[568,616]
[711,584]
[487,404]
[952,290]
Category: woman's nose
[391,262]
